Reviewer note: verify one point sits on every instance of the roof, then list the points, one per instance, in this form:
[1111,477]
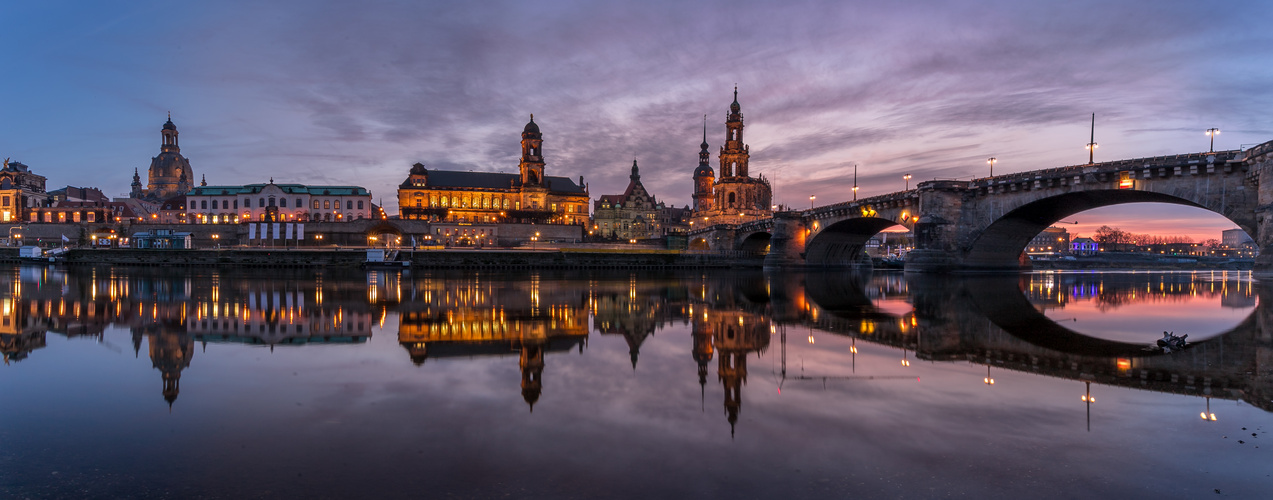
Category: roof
[493,180]
[286,188]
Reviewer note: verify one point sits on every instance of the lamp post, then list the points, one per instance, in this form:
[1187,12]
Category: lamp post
[13,235]
[1213,132]
[1207,415]
[907,178]
[855,182]
[814,197]
[988,380]
[1091,144]
[992,161]
[534,241]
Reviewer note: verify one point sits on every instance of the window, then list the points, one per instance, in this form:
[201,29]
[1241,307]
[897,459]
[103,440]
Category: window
[327,204]
[349,205]
[506,203]
[261,202]
[282,202]
[205,204]
[75,217]
[316,207]
[298,203]
[273,202]
[35,217]
[247,203]
[48,216]
[236,203]
[554,207]
[360,204]
[5,201]
[214,204]
[61,216]
[444,201]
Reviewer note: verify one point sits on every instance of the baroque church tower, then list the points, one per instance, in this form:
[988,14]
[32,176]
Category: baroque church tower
[170,174]
[734,197]
[532,164]
[703,175]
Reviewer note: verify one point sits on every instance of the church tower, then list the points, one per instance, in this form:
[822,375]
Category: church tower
[704,177]
[532,164]
[170,174]
[532,364]
[136,191]
[734,154]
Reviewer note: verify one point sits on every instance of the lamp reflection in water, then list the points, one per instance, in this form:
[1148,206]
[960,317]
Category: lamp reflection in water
[1088,399]
[1207,415]
[988,380]
[905,362]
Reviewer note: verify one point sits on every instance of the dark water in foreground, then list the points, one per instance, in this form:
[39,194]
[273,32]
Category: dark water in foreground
[204,384]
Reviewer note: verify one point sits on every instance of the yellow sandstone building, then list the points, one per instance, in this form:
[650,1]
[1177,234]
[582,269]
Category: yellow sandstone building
[490,197]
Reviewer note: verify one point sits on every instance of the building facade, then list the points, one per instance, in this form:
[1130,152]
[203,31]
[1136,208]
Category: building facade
[733,197]
[21,191]
[1051,241]
[169,173]
[277,203]
[635,214]
[482,197]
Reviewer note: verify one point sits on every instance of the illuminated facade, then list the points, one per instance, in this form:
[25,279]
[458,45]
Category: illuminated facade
[277,202]
[169,174]
[488,197]
[735,196]
[633,214]
[21,192]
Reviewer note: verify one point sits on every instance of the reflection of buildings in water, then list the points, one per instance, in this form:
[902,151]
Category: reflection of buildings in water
[285,316]
[1110,291]
[468,317]
[731,335]
[170,353]
[628,310]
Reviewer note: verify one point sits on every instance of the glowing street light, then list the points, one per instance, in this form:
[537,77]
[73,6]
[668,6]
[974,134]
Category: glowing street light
[988,380]
[907,178]
[855,182]
[1091,144]
[992,161]
[1213,132]
[814,197]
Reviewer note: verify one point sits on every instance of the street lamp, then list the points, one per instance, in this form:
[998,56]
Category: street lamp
[907,178]
[992,161]
[533,241]
[814,197]
[1091,144]
[988,380]
[1087,398]
[1213,132]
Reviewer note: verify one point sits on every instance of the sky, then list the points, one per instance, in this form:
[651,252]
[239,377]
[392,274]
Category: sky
[355,92]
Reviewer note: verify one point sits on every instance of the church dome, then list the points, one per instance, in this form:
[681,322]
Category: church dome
[704,171]
[531,128]
[169,125]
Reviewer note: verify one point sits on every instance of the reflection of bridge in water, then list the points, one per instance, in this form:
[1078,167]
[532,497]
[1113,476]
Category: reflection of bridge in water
[994,320]
[997,321]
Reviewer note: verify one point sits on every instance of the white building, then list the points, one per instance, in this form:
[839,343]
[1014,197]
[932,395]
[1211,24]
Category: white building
[277,202]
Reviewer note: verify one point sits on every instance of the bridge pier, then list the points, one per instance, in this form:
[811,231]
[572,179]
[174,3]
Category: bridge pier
[787,241]
[1260,159]
[937,231]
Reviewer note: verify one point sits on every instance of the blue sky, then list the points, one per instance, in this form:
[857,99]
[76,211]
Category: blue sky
[355,92]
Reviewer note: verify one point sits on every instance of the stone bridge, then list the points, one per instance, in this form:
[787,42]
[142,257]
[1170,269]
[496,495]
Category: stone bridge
[985,224]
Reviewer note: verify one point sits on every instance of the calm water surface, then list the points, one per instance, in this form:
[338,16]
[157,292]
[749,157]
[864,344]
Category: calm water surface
[233,384]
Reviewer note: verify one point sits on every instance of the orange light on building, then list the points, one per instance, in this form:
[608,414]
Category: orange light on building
[1125,180]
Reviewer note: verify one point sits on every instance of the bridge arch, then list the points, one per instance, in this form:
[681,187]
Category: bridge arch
[843,243]
[755,243]
[1000,243]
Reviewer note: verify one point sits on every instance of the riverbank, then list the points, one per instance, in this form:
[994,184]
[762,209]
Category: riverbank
[1122,260]
[568,258]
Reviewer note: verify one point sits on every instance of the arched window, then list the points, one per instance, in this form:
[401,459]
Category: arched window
[444,201]
[272,201]
[731,199]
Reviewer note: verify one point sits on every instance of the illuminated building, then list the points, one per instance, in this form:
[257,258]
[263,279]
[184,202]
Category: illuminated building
[169,173]
[633,214]
[489,197]
[277,202]
[734,197]
[21,191]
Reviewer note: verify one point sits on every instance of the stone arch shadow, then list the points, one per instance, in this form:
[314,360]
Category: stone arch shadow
[755,243]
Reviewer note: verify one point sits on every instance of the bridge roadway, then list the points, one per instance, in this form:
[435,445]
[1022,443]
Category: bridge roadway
[985,224]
